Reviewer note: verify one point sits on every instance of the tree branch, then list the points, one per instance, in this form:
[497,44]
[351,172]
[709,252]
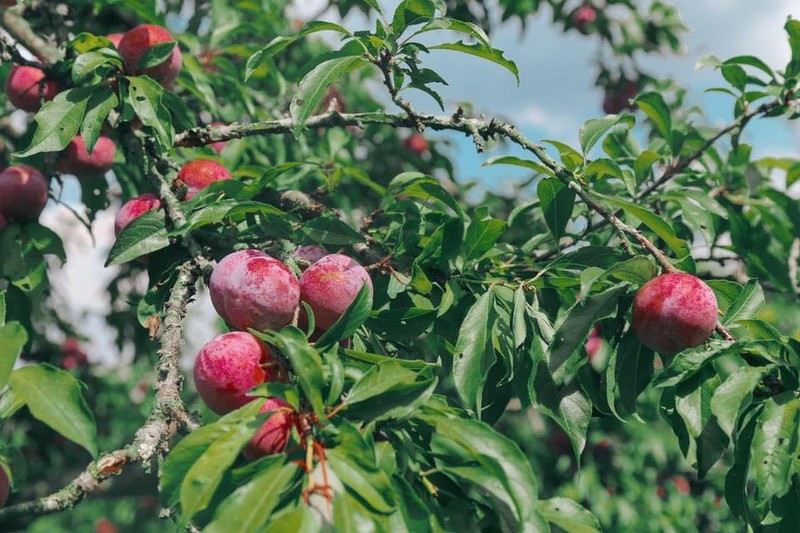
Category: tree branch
[20,30]
[167,416]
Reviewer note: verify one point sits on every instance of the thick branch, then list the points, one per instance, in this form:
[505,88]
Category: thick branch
[19,28]
[168,415]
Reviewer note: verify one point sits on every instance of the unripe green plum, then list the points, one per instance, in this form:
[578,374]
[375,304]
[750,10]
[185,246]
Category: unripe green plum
[77,161]
[330,285]
[250,289]
[24,86]
[272,436]
[199,174]
[228,366]
[137,41]
[673,312]
[133,209]
[23,192]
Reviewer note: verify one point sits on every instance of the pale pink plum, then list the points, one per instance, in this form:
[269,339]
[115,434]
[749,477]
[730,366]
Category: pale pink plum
[417,143]
[255,291]
[133,209]
[219,145]
[228,366]
[583,18]
[72,355]
[673,312]
[217,284]
[23,192]
[271,438]
[308,255]
[5,486]
[330,285]
[593,345]
[77,161]
[137,41]
[199,174]
[115,39]
[24,85]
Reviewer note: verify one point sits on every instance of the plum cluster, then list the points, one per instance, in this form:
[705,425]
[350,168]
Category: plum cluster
[250,289]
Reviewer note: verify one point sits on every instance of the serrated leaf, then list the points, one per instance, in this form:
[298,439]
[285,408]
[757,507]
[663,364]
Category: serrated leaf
[355,315]
[58,121]
[747,303]
[13,338]
[371,486]
[156,55]
[389,390]
[557,201]
[144,235]
[258,59]
[468,28]
[250,506]
[569,515]
[518,162]
[775,445]
[482,51]
[593,130]
[653,105]
[146,101]
[325,230]
[312,87]
[305,361]
[55,398]
[734,394]
[474,354]
[100,105]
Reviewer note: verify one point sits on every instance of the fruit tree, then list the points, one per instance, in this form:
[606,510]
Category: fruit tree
[614,346]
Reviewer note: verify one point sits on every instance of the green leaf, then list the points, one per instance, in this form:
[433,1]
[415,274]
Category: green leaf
[482,234]
[370,485]
[474,354]
[422,187]
[314,84]
[156,55]
[776,444]
[484,52]
[260,58]
[58,121]
[448,24]
[54,397]
[749,301]
[305,361]
[146,101]
[734,395]
[411,12]
[142,236]
[13,338]
[593,130]
[325,230]
[628,373]
[100,105]
[389,390]
[656,224]
[563,353]
[250,506]
[206,473]
[355,315]
[298,519]
[518,162]
[86,64]
[465,441]
[557,201]
[569,515]
[653,105]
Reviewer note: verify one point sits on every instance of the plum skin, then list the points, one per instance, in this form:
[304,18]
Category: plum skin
[673,312]
[272,436]
[23,192]
[199,174]
[76,159]
[133,209]
[228,366]
[310,254]
[23,87]
[330,285]
[250,289]
[137,41]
